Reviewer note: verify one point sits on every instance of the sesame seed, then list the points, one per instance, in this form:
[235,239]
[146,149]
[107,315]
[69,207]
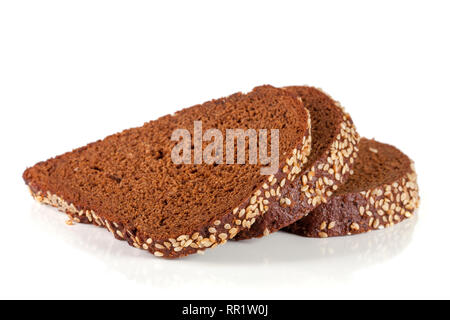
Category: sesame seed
[158,254]
[195,236]
[354,226]
[212,230]
[206,242]
[376,223]
[188,243]
[223,236]
[403,196]
[315,201]
[304,179]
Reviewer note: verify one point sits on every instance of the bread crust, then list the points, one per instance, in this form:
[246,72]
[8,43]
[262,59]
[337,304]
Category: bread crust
[207,236]
[316,183]
[357,212]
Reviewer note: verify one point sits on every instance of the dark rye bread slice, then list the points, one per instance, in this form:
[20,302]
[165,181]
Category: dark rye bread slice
[128,183]
[383,191]
[333,153]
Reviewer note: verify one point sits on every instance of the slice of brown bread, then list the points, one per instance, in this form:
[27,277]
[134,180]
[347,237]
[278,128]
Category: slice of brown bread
[333,152]
[128,183]
[383,191]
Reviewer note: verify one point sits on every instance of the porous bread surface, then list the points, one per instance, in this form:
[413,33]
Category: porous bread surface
[128,183]
[382,192]
[333,153]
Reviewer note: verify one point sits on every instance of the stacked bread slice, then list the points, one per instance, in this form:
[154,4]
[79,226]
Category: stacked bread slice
[325,181]
[333,152]
[130,184]
[382,192]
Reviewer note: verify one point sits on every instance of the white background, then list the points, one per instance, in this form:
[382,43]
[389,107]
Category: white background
[72,72]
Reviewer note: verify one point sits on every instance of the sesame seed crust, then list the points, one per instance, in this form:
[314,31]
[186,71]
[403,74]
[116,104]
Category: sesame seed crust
[361,211]
[216,232]
[312,186]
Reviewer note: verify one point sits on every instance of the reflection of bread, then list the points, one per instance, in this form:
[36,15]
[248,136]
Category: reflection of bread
[383,191]
[129,184]
[309,259]
[333,151]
